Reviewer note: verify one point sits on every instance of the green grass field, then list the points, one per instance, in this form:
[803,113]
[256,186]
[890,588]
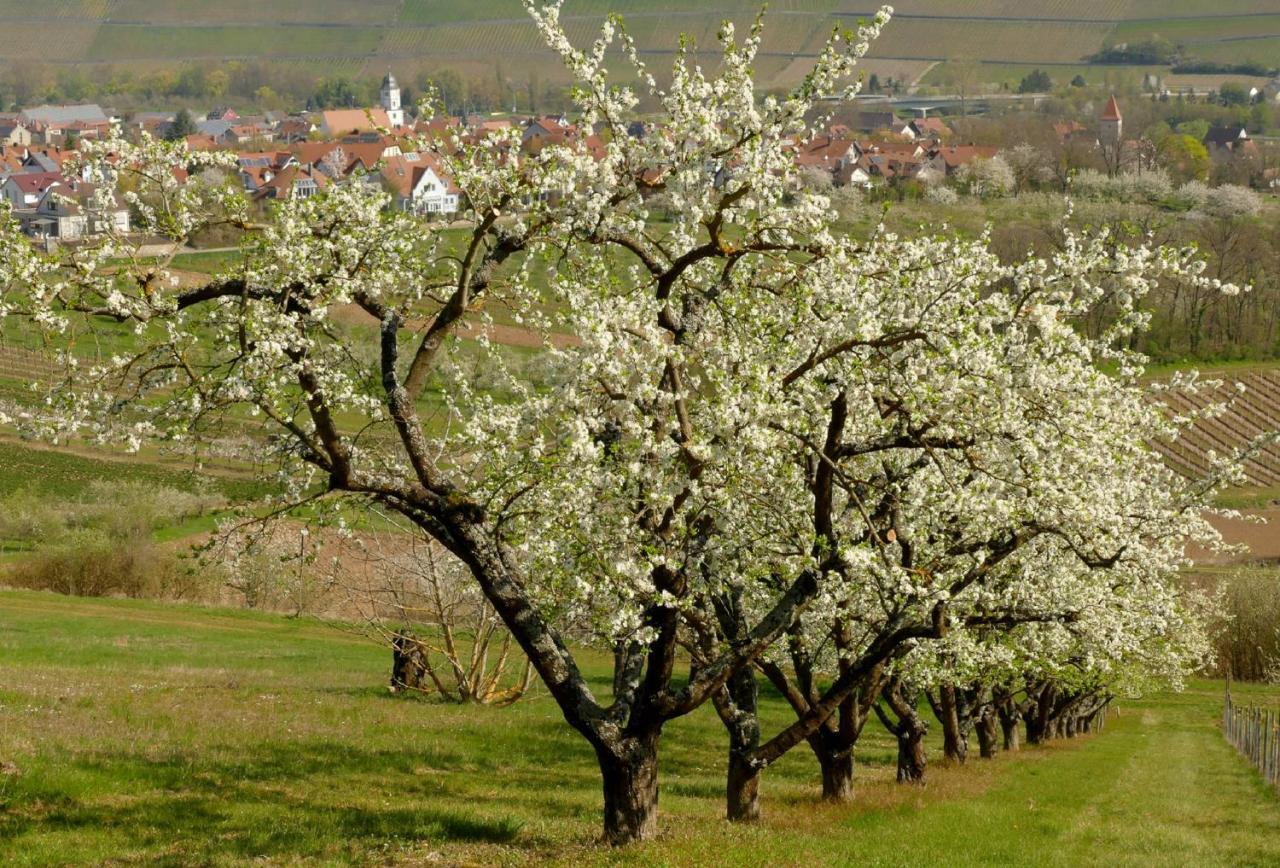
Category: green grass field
[149,734]
[325,35]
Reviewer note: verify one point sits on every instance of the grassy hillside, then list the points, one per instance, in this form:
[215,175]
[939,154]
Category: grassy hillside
[408,35]
[138,733]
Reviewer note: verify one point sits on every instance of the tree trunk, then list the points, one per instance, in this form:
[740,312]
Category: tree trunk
[1009,725]
[630,789]
[837,775]
[742,789]
[911,756]
[408,668]
[1039,720]
[955,746]
[909,730]
[737,706]
[988,733]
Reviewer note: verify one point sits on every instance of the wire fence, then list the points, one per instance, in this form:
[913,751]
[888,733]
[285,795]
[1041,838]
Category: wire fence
[1255,732]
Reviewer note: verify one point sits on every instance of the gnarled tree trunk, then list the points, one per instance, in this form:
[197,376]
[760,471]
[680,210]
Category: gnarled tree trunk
[988,732]
[630,775]
[946,706]
[1009,713]
[1009,725]
[909,729]
[1039,719]
[836,762]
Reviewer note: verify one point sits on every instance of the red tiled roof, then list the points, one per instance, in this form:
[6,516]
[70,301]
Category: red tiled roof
[36,182]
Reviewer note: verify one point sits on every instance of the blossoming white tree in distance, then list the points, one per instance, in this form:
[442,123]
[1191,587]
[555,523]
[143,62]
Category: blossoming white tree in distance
[896,437]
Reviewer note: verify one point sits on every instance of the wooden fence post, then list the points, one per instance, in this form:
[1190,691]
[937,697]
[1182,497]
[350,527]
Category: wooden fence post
[1254,732]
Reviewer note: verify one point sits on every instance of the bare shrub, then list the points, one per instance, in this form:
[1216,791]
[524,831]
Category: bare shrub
[1248,643]
[267,565]
[101,544]
[445,637]
[91,563]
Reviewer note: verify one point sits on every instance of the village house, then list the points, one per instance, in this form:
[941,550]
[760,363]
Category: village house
[49,124]
[948,159]
[872,121]
[258,168]
[1071,131]
[294,182]
[840,157]
[419,185]
[925,128]
[546,130]
[154,124]
[346,122]
[202,142]
[11,160]
[294,129]
[72,211]
[14,132]
[25,189]
[1230,142]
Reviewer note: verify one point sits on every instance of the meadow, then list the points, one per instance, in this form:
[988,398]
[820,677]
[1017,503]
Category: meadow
[136,732]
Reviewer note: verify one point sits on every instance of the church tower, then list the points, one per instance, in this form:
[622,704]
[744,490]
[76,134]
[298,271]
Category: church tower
[1110,124]
[391,100]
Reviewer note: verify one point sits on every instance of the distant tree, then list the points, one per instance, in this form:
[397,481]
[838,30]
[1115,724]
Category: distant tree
[337,92]
[74,85]
[873,83]
[1037,81]
[191,82]
[987,179]
[265,96]
[1029,166]
[1232,93]
[1232,202]
[183,125]
[1079,81]
[1184,157]
[449,85]
[1157,133]
[216,83]
[1153,51]
[1197,128]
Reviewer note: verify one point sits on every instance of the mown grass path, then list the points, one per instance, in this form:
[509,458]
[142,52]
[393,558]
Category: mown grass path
[139,733]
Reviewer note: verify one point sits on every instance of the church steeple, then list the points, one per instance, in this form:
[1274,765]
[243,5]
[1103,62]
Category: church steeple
[390,100]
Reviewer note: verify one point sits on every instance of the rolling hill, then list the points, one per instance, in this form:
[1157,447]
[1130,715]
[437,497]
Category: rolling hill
[1002,36]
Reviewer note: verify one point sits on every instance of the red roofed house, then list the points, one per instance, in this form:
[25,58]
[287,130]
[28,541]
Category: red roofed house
[25,189]
[420,185]
[202,142]
[294,182]
[947,160]
[839,156]
[345,122]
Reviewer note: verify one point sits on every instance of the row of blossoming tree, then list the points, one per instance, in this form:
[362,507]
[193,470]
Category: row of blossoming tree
[865,470]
